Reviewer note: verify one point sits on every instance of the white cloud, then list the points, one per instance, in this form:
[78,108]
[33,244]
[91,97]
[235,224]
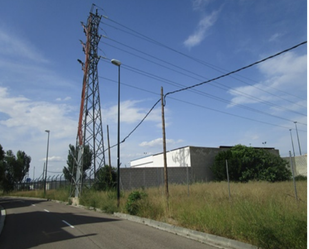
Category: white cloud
[64,99]
[199,34]
[130,113]
[274,37]
[23,114]
[15,46]
[199,5]
[287,73]
[158,141]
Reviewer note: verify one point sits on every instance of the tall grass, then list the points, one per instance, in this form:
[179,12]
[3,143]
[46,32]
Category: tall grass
[260,213]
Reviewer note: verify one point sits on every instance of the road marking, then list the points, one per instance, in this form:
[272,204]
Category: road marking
[33,205]
[67,223]
[46,210]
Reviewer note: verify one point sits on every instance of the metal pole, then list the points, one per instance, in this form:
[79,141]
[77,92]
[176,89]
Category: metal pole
[228,178]
[46,161]
[292,166]
[292,142]
[118,142]
[118,63]
[297,138]
[188,179]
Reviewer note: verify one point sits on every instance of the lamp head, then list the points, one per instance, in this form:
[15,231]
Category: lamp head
[116,62]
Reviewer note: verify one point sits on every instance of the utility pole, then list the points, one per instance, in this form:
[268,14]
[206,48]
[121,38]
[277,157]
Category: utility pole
[90,131]
[164,148]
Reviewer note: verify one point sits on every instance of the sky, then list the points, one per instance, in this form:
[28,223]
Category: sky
[171,44]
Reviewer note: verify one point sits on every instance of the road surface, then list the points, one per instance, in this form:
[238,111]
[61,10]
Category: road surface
[35,223]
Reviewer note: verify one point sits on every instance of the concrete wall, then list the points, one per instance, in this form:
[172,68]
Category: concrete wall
[299,164]
[132,178]
[201,160]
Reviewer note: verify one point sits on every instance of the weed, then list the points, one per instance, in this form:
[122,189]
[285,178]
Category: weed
[134,201]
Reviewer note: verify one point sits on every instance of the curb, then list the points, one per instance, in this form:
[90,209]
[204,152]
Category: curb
[2,218]
[209,239]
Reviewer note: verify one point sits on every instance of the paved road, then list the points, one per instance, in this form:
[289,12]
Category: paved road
[44,224]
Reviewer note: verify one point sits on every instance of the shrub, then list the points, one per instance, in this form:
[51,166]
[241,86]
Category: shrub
[247,163]
[134,201]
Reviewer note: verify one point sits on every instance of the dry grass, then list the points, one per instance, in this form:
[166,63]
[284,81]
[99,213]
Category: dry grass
[261,213]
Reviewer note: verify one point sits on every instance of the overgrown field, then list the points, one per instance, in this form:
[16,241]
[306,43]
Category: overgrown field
[260,213]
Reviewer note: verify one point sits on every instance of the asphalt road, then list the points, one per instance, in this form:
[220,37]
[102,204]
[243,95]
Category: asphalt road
[33,223]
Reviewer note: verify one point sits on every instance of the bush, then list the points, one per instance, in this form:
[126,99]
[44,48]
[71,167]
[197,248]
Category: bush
[247,163]
[300,178]
[134,201]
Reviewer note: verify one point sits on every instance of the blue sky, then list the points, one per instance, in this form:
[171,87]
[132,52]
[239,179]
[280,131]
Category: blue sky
[173,44]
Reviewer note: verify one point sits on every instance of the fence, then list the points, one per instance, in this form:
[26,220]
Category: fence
[133,178]
[52,182]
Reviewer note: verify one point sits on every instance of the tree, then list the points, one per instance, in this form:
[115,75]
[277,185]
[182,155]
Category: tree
[70,171]
[106,178]
[13,168]
[248,163]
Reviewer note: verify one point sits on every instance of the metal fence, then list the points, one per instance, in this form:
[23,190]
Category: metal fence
[134,178]
[52,182]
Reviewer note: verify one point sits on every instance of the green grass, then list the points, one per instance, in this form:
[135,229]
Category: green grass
[260,213]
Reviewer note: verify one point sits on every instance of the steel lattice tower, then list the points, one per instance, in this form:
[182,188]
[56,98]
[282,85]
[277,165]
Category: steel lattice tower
[90,131]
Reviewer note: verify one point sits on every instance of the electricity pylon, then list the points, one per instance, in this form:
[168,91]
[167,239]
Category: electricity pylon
[90,131]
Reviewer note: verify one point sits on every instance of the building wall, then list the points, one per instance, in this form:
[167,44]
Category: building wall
[175,158]
[185,165]
[299,164]
[202,159]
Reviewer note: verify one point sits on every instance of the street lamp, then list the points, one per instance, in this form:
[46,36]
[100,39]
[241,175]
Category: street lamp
[46,162]
[118,63]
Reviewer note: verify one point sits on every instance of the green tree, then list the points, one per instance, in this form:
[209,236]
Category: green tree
[248,163]
[70,171]
[106,178]
[13,168]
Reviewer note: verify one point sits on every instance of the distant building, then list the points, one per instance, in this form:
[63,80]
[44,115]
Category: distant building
[299,164]
[197,160]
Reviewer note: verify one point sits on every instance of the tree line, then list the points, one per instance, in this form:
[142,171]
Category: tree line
[13,168]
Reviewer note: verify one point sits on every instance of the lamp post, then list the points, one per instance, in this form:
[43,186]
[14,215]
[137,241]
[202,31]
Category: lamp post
[46,162]
[118,63]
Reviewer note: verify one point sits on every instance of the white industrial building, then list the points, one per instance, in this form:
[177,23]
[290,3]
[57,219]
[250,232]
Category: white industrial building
[185,164]
[180,157]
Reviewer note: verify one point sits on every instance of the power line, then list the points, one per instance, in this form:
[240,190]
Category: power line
[215,85]
[216,68]
[201,106]
[216,78]
[237,70]
[205,94]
